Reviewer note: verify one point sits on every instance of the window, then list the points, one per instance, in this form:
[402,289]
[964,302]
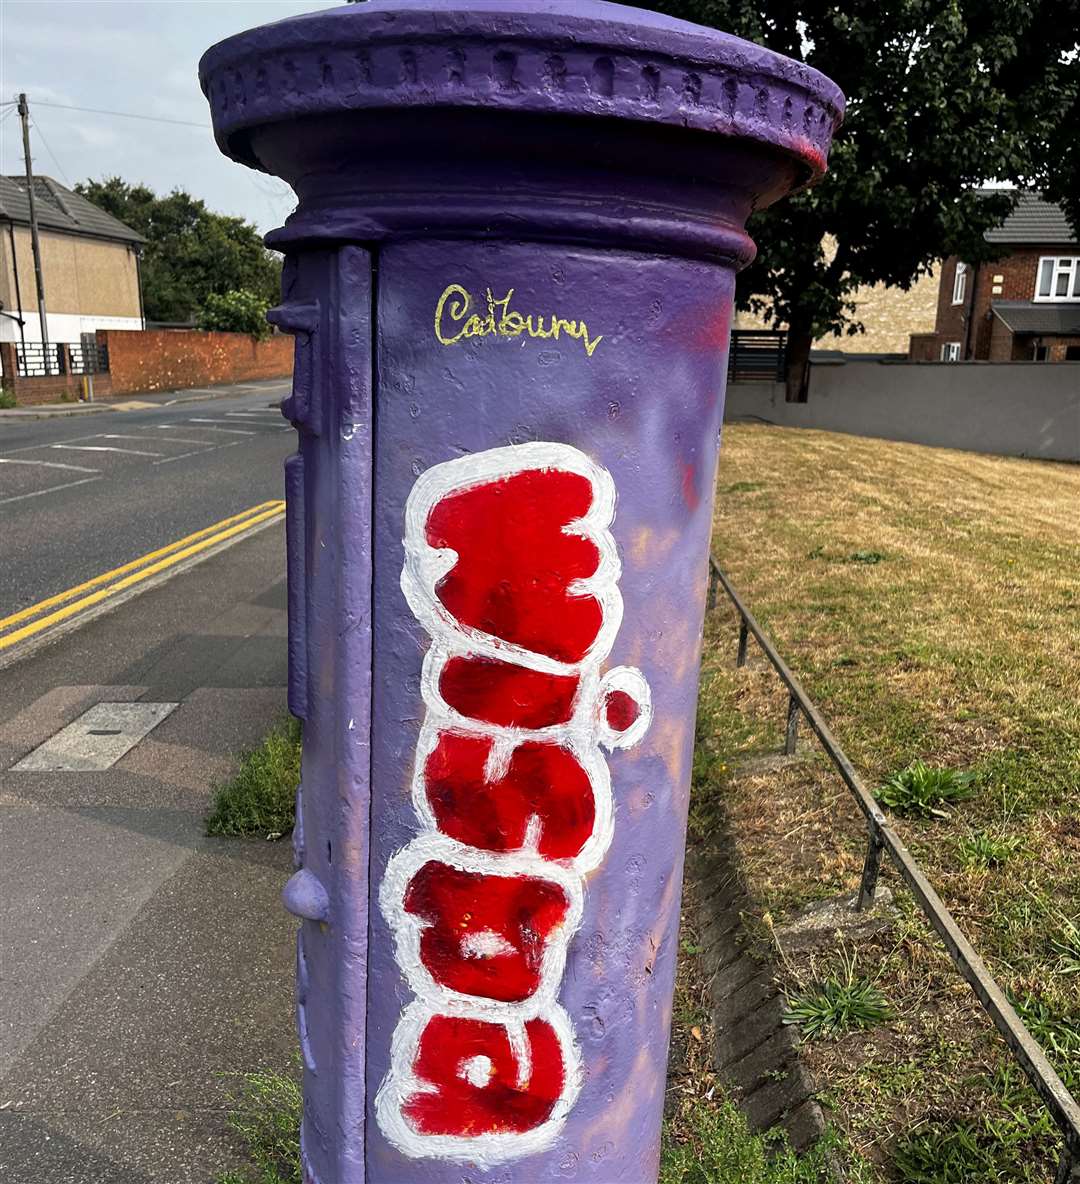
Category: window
[1072,353]
[950,351]
[959,284]
[1059,278]
[1040,353]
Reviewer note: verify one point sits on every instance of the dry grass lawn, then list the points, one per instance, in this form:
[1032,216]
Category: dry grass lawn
[929,600]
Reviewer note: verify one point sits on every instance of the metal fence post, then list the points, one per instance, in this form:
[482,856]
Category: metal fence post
[744,633]
[1069,1168]
[791,733]
[871,870]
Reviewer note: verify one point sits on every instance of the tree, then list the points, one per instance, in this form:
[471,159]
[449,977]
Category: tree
[191,252]
[240,311]
[943,95]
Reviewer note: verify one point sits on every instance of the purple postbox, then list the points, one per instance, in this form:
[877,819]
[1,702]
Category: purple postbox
[510,278]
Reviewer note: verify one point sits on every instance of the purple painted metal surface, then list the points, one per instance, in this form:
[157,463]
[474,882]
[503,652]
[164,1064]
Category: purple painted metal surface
[600,162]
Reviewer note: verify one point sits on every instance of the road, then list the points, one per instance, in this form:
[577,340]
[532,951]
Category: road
[84,494]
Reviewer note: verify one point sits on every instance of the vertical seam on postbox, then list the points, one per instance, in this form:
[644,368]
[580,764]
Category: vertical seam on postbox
[373,435]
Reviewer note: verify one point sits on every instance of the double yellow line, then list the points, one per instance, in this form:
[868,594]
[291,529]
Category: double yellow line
[67,604]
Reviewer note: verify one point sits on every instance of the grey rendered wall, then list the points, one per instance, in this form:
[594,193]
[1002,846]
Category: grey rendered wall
[1009,409]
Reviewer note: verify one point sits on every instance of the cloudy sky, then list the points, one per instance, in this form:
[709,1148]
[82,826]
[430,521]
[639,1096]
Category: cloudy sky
[136,56]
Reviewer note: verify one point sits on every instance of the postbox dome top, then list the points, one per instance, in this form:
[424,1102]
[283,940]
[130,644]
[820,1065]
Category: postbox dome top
[572,57]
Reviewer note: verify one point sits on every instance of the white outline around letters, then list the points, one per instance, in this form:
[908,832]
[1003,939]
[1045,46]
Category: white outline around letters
[582,735]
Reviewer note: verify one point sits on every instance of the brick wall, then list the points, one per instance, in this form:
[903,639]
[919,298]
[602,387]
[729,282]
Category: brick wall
[924,347]
[1006,348]
[999,341]
[52,388]
[951,321]
[171,359]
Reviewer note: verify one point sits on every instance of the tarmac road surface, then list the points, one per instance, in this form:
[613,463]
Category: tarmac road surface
[86,494]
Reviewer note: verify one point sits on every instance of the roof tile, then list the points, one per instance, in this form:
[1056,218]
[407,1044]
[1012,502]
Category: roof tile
[1034,220]
[60,208]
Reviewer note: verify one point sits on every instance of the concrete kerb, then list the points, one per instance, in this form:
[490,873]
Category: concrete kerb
[31,644]
[754,1052]
[49,411]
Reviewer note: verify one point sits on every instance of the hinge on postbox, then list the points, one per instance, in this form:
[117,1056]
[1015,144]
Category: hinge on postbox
[301,319]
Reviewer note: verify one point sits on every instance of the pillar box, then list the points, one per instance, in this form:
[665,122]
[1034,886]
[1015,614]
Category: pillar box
[510,278]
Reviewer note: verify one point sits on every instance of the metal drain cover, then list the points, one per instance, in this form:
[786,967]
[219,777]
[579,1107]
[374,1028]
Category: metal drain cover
[97,739]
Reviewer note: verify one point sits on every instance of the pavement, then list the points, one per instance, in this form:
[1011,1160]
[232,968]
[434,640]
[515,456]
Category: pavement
[141,962]
[132,402]
[82,496]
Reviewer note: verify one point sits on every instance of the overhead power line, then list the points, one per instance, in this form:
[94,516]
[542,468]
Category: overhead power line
[123,114]
[48,148]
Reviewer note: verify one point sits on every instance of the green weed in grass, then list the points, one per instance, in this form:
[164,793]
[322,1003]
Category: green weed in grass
[843,1002]
[742,487]
[266,1116]
[7,399]
[1067,946]
[261,798]
[1059,1036]
[920,791]
[949,1153]
[981,851]
[716,1147]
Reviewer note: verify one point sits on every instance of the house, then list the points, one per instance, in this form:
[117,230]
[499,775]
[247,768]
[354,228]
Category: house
[1024,307]
[89,263]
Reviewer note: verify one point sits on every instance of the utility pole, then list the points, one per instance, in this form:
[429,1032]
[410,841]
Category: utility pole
[24,112]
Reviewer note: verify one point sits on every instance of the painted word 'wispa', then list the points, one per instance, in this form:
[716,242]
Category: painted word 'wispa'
[511,569]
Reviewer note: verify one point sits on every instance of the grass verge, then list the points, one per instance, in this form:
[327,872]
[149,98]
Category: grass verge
[261,798]
[949,668]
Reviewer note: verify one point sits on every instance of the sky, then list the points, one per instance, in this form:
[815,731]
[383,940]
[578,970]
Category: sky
[137,56]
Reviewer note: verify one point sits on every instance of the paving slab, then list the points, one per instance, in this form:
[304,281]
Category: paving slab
[97,739]
[134,1070]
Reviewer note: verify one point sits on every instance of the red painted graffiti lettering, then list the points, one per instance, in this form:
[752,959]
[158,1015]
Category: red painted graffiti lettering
[543,786]
[485,935]
[511,568]
[477,1082]
[517,562]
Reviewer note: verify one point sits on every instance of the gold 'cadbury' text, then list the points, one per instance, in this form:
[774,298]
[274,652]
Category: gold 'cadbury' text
[454,322]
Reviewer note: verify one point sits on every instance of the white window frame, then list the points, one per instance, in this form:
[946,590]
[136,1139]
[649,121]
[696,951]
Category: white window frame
[959,284]
[950,351]
[1059,265]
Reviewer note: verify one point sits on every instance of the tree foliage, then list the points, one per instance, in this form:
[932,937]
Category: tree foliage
[239,311]
[191,252]
[943,96]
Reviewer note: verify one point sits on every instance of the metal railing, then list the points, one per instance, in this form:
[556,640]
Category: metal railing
[89,358]
[33,359]
[757,355]
[881,838]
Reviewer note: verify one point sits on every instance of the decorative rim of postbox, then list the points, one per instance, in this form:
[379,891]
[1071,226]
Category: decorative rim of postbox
[591,58]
